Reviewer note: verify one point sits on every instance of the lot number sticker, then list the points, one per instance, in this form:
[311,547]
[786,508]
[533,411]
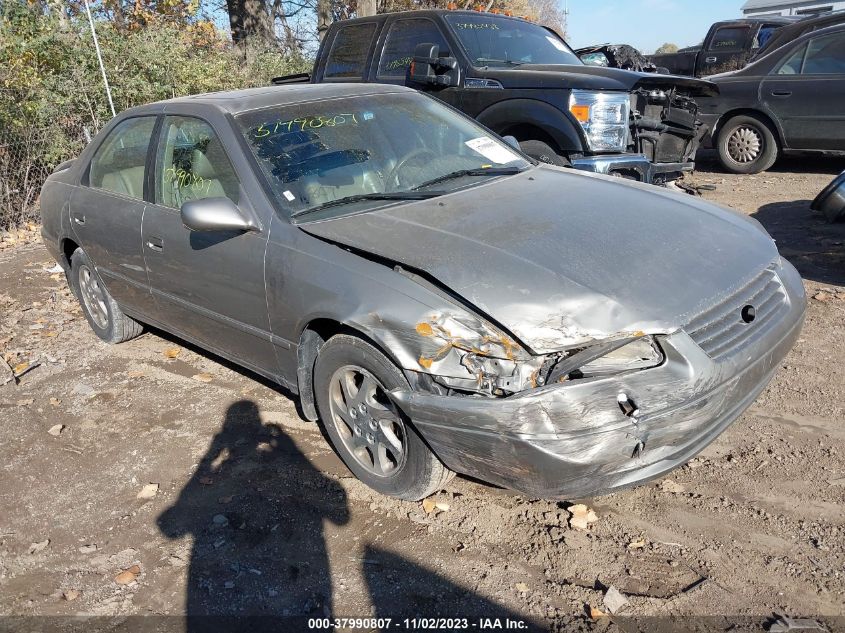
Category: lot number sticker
[491,150]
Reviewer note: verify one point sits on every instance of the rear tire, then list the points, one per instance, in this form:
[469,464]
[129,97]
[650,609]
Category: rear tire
[370,434]
[101,311]
[746,145]
[544,152]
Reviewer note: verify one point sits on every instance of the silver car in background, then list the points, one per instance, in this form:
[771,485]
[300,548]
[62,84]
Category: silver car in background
[438,301]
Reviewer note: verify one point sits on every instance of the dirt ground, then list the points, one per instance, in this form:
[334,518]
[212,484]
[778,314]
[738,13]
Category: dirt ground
[251,513]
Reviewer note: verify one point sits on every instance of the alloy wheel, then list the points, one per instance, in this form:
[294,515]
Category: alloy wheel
[93,296]
[368,423]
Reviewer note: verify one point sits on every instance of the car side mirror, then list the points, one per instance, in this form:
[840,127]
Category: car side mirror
[831,201]
[426,64]
[215,214]
[511,140]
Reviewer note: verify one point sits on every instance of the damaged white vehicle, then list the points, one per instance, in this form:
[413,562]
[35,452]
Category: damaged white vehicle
[441,303]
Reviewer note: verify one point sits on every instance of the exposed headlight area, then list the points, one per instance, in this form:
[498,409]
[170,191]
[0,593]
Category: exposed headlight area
[463,355]
[605,358]
[603,117]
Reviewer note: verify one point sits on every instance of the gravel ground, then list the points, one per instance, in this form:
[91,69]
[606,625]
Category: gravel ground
[251,513]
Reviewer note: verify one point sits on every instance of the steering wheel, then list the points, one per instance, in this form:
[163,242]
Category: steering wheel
[393,177]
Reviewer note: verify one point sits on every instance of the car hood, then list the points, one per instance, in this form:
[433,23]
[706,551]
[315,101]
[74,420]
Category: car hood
[583,77]
[561,258]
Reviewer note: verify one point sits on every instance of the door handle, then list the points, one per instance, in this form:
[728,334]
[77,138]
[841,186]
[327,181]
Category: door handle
[79,219]
[781,93]
[155,244]
[709,60]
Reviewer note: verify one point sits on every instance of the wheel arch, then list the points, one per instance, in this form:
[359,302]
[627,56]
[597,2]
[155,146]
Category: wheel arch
[313,336]
[555,126]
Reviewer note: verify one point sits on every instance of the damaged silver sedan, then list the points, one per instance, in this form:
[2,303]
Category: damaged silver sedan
[438,301]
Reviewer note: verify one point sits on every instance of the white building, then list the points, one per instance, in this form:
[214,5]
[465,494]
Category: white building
[754,8]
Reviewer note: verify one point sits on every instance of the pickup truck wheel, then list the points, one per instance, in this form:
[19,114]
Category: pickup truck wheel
[370,434]
[544,153]
[101,311]
[746,145]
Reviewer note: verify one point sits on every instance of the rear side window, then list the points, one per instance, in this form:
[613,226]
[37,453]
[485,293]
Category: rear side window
[192,164]
[820,56]
[348,55]
[118,165]
[401,41]
[825,56]
[729,38]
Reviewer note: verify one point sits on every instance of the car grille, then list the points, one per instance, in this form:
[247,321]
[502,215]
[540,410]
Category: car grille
[721,330]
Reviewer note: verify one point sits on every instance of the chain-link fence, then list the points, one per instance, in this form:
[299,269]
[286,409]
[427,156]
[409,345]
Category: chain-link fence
[23,169]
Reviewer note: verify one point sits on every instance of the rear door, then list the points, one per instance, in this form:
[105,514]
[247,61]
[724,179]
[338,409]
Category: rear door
[348,53]
[208,286]
[806,93]
[106,211]
[727,49]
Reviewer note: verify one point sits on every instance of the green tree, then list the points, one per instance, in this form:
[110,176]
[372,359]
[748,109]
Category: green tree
[668,47]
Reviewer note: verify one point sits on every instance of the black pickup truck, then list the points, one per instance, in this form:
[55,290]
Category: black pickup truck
[729,45]
[522,80]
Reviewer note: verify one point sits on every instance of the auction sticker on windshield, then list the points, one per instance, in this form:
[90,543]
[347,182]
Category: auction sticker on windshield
[491,150]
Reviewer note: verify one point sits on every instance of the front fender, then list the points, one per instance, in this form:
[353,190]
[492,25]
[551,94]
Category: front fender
[561,126]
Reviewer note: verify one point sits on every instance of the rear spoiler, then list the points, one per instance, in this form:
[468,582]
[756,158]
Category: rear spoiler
[298,78]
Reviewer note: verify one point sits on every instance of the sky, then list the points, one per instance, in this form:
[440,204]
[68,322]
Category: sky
[645,24]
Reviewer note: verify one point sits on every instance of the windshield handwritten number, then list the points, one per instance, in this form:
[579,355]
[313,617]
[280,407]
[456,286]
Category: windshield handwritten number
[301,123]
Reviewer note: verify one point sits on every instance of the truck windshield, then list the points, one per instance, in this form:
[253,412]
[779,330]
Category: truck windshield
[350,153]
[491,40]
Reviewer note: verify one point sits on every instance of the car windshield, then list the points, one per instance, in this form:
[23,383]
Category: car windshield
[492,40]
[367,150]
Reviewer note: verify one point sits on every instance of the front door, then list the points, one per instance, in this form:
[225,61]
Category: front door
[106,211]
[397,52]
[209,286]
[806,94]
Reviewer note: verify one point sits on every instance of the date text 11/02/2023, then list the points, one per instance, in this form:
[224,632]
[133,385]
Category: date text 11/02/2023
[419,624]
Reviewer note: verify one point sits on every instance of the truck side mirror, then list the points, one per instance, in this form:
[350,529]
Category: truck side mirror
[426,64]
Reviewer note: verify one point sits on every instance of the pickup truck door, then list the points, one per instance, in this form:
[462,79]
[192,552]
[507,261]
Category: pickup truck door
[208,285]
[726,48]
[396,50]
[806,94]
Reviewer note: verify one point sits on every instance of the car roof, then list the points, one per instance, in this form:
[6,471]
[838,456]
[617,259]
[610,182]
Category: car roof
[430,12]
[235,101]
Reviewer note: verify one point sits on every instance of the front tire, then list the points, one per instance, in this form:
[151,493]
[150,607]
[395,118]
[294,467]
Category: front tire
[746,145]
[370,434]
[544,152]
[101,311]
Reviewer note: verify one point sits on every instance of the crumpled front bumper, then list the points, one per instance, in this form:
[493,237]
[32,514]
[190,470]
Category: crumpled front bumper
[572,440]
[634,166]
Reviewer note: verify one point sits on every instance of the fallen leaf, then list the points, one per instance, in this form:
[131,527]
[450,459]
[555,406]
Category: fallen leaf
[55,402]
[667,485]
[71,594]
[637,544]
[148,491]
[135,373]
[50,334]
[203,377]
[429,505]
[581,517]
[822,296]
[597,613]
[124,578]
[521,587]
[37,547]
[56,430]
[172,352]
[442,506]
[26,402]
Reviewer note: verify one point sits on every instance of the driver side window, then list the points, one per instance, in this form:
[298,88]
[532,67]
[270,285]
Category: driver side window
[401,41]
[192,164]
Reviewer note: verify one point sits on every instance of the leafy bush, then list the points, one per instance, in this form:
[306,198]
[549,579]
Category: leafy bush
[52,93]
